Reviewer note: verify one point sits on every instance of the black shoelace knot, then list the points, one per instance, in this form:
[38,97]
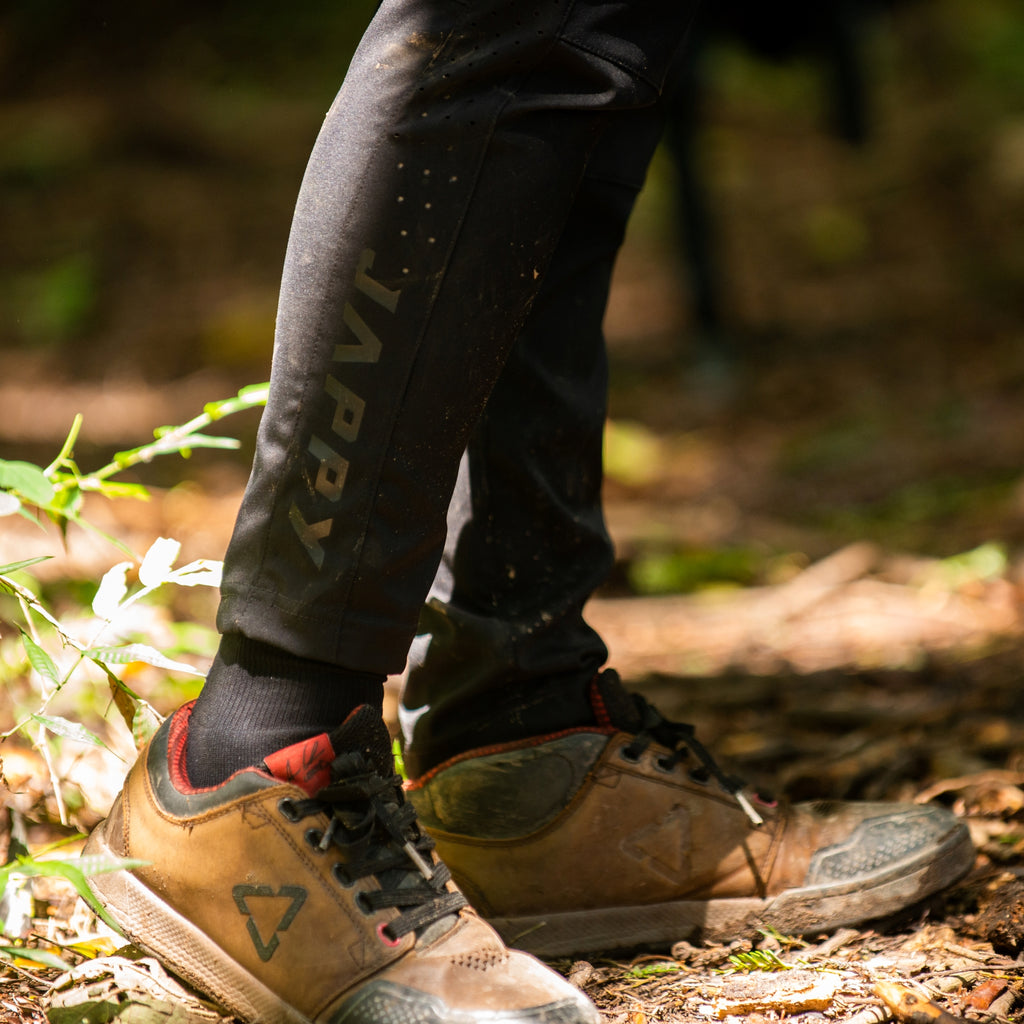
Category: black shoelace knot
[376,833]
[681,740]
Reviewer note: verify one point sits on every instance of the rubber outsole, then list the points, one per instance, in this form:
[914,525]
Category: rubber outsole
[797,911]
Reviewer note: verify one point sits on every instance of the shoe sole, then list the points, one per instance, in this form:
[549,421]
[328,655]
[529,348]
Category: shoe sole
[797,911]
[191,954]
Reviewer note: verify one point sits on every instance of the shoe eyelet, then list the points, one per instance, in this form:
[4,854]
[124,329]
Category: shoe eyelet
[341,878]
[629,756]
[287,808]
[360,901]
[665,765]
[384,938]
[698,776]
[313,837]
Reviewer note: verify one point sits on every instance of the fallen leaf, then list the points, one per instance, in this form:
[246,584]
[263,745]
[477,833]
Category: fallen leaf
[125,991]
[982,997]
[794,991]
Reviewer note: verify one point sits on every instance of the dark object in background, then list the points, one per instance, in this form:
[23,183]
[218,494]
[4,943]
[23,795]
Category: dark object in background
[831,34]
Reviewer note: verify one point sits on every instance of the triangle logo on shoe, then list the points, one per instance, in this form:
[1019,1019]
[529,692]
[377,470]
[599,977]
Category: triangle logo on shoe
[663,846]
[268,912]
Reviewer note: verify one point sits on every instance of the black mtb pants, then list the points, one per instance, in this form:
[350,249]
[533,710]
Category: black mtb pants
[441,305]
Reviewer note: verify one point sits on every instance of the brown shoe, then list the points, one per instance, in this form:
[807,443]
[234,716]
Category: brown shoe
[305,891]
[605,837]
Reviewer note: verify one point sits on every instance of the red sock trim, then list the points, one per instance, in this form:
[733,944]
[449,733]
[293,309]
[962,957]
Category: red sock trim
[597,703]
[307,763]
[177,769]
[176,739]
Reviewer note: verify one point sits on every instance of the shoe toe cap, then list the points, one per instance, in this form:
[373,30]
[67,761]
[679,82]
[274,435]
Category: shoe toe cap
[862,840]
[466,976]
[490,1001]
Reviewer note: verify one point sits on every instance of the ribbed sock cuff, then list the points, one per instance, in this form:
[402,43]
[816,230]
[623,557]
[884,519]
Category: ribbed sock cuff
[259,698]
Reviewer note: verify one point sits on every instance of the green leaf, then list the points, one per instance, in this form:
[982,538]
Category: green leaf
[145,722]
[138,652]
[987,562]
[38,956]
[18,566]
[67,501]
[40,660]
[758,960]
[633,455]
[651,970]
[396,753]
[68,730]
[97,864]
[27,480]
[74,871]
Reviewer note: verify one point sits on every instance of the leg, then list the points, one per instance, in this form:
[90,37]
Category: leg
[503,642]
[436,194]
[574,816]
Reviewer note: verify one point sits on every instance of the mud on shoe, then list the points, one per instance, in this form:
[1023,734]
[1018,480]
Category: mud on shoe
[627,833]
[304,891]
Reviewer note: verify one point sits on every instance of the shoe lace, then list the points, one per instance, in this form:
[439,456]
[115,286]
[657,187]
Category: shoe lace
[377,834]
[681,740]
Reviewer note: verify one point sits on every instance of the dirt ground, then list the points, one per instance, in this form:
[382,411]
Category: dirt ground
[949,728]
[862,675]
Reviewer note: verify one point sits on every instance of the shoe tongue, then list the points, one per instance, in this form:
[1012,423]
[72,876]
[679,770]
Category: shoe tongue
[613,703]
[307,764]
[364,732]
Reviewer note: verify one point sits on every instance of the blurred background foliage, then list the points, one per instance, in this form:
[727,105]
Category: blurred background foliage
[150,155]
[867,371]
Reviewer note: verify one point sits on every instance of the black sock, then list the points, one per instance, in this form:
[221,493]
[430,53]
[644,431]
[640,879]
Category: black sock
[258,699]
[501,715]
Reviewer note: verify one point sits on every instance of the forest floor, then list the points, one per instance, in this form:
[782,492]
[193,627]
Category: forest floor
[867,673]
[795,693]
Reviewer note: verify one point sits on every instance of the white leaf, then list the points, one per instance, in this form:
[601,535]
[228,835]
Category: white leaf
[9,504]
[200,572]
[69,730]
[138,652]
[156,566]
[112,590]
[97,863]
